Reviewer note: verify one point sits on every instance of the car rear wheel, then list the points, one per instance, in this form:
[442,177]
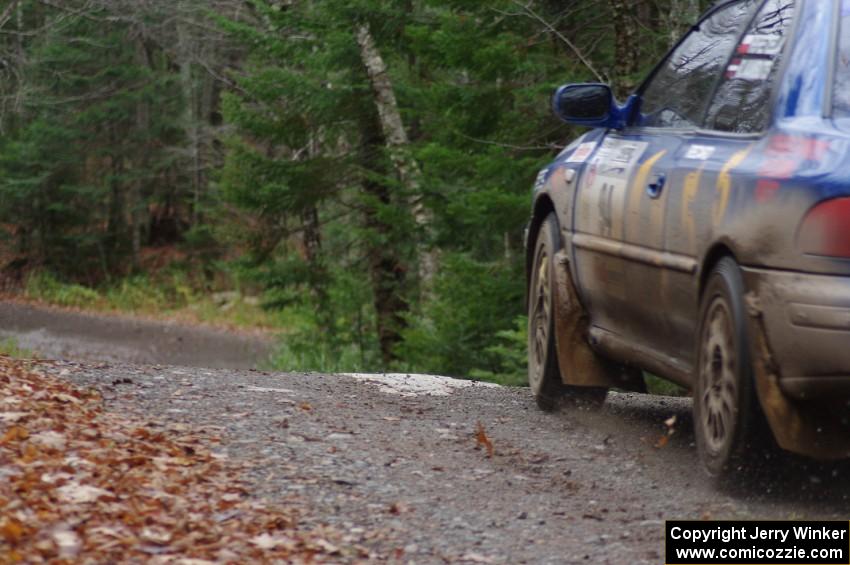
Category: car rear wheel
[544,374]
[727,418]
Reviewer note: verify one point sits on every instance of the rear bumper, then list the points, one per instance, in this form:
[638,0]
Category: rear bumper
[807,324]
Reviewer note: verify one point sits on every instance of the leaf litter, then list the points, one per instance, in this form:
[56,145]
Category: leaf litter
[81,484]
[482,440]
[670,424]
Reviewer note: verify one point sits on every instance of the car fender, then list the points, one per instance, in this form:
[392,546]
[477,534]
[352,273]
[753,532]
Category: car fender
[555,191]
[580,365]
[799,427]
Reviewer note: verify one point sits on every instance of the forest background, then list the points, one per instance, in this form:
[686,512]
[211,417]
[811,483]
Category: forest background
[356,173]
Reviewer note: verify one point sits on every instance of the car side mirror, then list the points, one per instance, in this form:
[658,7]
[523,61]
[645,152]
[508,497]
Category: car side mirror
[590,104]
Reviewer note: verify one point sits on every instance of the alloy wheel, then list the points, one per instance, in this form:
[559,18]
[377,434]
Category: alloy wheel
[719,398]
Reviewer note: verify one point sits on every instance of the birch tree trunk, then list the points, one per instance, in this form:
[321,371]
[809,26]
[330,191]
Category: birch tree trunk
[398,143]
[683,14]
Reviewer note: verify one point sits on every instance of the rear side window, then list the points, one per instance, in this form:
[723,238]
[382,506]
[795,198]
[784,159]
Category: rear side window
[841,94]
[742,102]
[679,92]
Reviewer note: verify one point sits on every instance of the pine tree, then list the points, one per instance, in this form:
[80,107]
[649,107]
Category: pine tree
[315,142]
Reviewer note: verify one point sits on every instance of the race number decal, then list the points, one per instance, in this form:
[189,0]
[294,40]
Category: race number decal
[603,192]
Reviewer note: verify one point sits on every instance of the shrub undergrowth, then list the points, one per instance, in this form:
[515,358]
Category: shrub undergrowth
[169,295]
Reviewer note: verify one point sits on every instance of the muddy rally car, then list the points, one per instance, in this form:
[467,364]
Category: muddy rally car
[701,232]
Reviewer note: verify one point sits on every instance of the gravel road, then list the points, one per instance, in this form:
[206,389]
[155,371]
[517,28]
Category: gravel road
[57,334]
[399,470]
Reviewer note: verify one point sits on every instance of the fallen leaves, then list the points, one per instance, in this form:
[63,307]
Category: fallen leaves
[398,508]
[81,494]
[482,440]
[476,558]
[15,433]
[81,484]
[11,530]
[156,536]
[67,542]
[49,440]
[267,541]
[66,398]
[12,417]
[670,423]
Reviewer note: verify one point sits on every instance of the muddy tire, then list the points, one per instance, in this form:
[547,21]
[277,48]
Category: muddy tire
[544,374]
[728,424]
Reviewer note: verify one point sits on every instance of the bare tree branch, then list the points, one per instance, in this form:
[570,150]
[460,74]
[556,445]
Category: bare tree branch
[585,61]
[6,15]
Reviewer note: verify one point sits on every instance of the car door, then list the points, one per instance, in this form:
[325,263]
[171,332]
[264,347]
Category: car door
[619,238]
[709,167]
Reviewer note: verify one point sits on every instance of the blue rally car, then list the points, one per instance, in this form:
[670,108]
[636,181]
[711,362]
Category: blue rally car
[701,232]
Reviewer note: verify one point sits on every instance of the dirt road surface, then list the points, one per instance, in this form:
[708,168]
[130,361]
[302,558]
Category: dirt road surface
[59,334]
[394,461]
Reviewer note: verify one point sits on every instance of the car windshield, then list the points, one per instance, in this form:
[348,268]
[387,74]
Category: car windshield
[841,96]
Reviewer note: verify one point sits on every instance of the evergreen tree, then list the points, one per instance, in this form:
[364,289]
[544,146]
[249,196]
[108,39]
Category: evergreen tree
[76,170]
[314,144]
[368,161]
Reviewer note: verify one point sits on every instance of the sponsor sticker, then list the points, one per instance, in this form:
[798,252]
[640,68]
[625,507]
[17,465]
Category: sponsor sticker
[700,152]
[582,152]
[617,158]
[762,44]
[749,69]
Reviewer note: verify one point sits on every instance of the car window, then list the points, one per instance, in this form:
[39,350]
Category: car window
[841,89]
[678,94]
[742,102]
